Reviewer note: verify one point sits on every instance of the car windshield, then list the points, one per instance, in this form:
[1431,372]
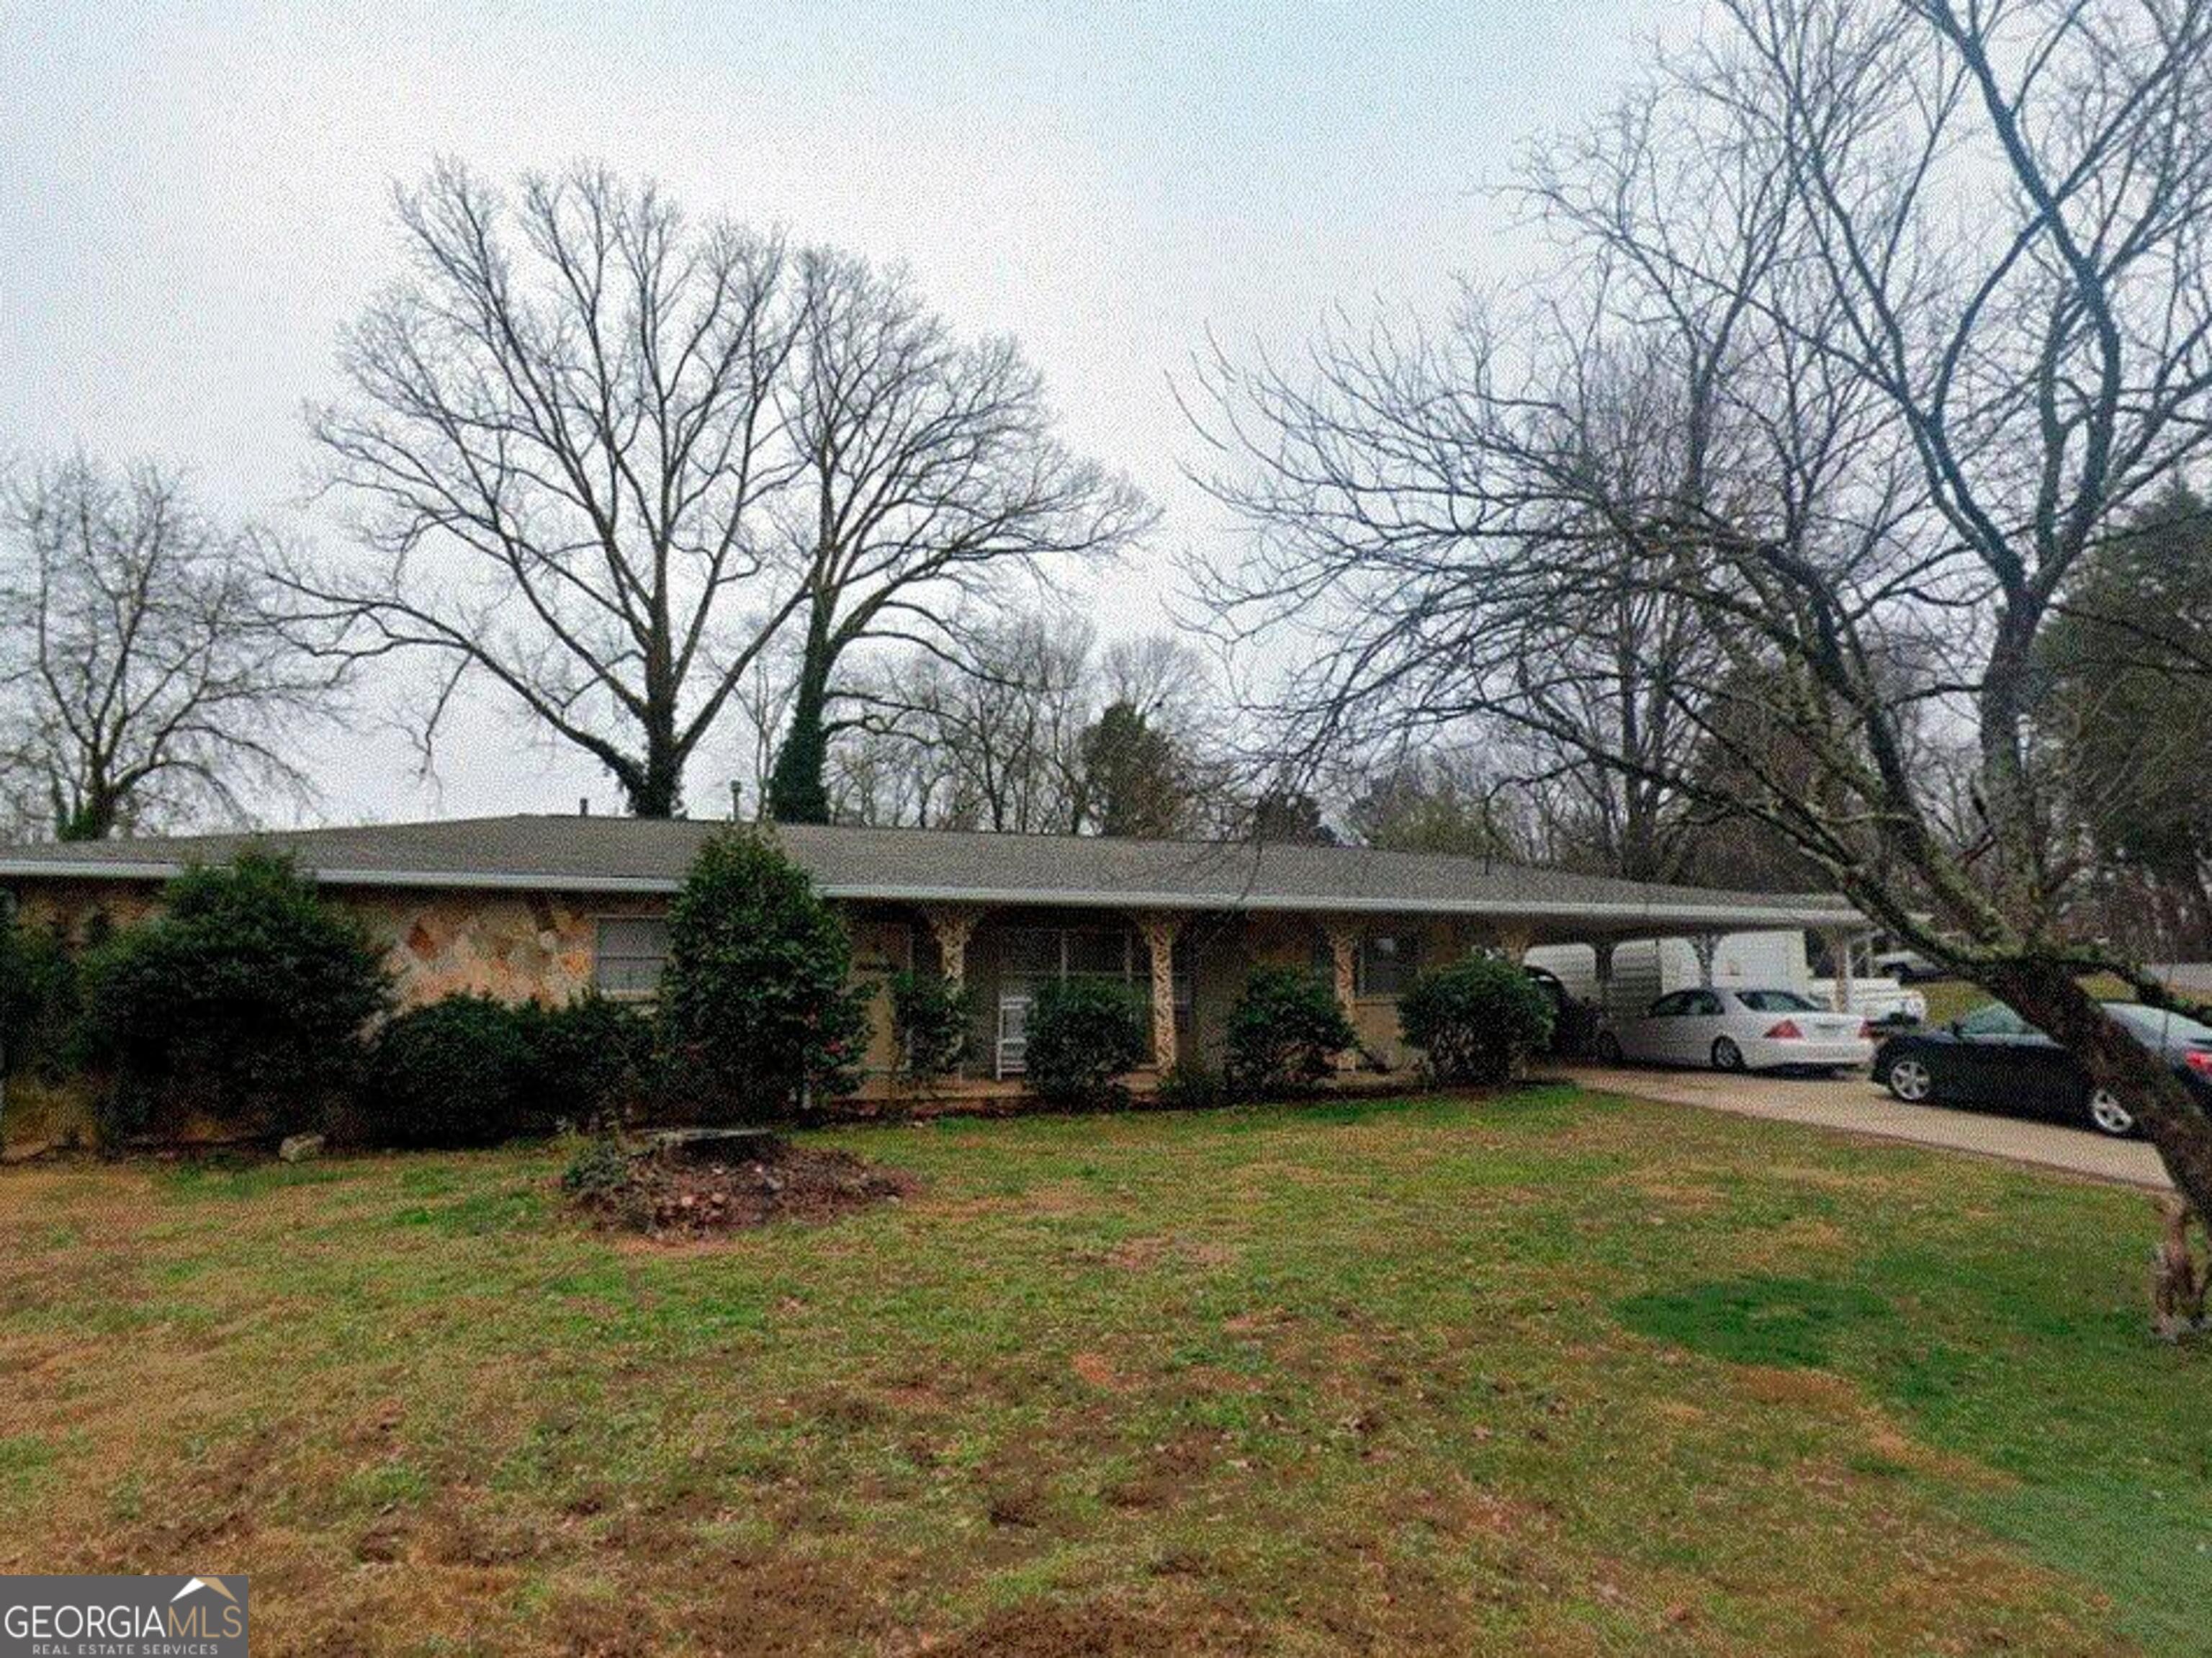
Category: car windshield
[1776,1002]
[1994,1018]
[2157,1025]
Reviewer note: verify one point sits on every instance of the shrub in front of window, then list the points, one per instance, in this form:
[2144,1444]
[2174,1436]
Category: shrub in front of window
[1083,1035]
[1285,1031]
[934,1021]
[242,1002]
[449,1073]
[756,1012]
[591,1059]
[1476,1020]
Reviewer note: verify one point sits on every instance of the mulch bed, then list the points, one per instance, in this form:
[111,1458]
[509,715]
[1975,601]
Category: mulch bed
[701,1191]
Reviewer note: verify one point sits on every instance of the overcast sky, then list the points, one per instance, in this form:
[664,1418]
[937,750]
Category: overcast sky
[193,199]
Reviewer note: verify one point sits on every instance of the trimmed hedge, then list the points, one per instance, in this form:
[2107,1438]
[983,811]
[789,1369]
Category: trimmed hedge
[1084,1034]
[1285,1031]
[1476,1020]
[471,1070]
[590,1059]
[450,1073]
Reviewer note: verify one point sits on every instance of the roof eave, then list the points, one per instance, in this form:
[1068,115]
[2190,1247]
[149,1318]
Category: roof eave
[1686,914]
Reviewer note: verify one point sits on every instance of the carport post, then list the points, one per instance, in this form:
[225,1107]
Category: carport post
[1604,975]
[1706,945]
[1839,957]
[1343,936]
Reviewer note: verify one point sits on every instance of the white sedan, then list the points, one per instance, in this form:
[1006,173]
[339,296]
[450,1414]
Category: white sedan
[1738,1030]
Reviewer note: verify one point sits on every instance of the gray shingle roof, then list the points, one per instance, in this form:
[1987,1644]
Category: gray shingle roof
[626,855]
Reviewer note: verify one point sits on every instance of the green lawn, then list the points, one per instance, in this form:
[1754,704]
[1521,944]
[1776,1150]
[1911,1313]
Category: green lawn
[1552,1374]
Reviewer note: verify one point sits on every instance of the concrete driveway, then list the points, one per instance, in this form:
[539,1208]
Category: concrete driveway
[1857,1105]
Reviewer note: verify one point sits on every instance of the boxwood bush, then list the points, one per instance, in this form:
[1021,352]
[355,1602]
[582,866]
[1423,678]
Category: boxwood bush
[1476,1020]
[449,1073]
[242,1002]
[473,1070]
[1083,1034]
[592,1060]
[1285,1031]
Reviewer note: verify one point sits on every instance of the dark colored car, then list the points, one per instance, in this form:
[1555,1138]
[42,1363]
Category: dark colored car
[1574,1022]
[1996,1060]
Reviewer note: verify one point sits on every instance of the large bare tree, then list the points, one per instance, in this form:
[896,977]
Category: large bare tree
[563,437]
[932,479]
[1912,297]
[143,679]
[994,743]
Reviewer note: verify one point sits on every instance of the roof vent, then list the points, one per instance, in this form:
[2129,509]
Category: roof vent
[583,806]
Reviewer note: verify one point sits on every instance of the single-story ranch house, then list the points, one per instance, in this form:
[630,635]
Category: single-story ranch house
[547,907]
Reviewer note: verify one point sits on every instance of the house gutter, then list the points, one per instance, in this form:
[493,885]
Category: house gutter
[1735,917]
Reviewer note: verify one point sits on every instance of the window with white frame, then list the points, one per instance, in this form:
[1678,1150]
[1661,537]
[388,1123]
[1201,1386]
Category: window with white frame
[1027,954]
[629,955]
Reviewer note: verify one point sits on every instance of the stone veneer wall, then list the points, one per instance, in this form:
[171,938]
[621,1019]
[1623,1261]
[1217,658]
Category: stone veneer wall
[83,908]
[518,947]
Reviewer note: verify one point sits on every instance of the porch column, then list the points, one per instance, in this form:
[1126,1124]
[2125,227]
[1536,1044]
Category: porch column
[1707,945]
[1160,928]
[1344,960]
[1839,956]
[952,924]
[1604,976]
[1344,964]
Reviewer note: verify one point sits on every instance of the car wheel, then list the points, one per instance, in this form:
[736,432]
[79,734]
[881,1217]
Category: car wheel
[1607,1048]
[2108,1116]
[1911,1081]
[1727,1056]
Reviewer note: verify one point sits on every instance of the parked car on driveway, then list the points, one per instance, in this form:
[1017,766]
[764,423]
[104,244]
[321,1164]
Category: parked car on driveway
[1736,1029]
[1995,1060]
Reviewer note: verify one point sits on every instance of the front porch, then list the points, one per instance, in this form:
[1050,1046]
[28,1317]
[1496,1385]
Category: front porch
[1188,966]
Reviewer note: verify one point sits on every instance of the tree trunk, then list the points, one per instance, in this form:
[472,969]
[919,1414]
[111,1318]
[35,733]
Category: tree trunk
[93,814]
[2048,996]
[656,789]
[796,792]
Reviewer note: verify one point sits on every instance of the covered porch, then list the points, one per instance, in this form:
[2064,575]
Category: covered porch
[1188,965]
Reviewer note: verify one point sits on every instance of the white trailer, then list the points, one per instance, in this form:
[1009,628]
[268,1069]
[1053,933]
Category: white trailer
[1646,969]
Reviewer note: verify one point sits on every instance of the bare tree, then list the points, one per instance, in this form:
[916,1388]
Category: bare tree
[146,681]
[1038,732]
[994,743]
[564,437]
[932,478]
[1915,297]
